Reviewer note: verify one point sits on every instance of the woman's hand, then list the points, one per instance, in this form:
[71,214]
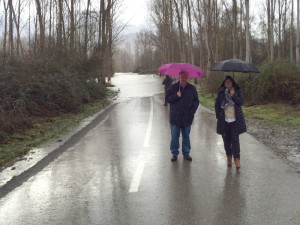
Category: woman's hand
[231,91]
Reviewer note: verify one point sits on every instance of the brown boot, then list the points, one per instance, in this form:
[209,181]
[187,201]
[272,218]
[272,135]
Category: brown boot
[229,160]
[237,163]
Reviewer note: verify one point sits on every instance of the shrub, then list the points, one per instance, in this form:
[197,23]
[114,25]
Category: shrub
[43,86]
[277,81]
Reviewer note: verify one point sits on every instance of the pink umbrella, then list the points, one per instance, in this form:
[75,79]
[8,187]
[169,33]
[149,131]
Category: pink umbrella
[173,69]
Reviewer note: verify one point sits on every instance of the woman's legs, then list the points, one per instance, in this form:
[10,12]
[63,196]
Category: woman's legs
[231,140]
[235,143]
[227,139]
[232,144]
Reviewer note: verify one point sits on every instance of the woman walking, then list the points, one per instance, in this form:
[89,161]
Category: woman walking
[231,121]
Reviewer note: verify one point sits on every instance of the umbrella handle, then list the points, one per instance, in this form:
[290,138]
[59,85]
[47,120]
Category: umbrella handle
[179,81]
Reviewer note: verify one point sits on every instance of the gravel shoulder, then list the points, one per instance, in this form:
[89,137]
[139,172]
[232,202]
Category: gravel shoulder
[284,141]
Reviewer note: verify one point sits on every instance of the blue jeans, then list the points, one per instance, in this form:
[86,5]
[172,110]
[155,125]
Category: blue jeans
[175,134]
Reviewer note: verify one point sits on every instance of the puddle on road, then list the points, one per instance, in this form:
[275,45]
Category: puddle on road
[132,85]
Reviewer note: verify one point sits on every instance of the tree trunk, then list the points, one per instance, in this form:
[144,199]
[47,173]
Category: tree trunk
[50,21]
[234,11]
[5,28]
[59,25]
[181,34]
[298,34]
[86,27]
[291,33]
[284,31]
[217,31]
[72,24]
[241,30]
[110,39]
[29,27]
[272,31]
[207,33]
[190,33]
[248,53]
[41,22]
[11,32]
[269,29]
[103,43]
[279,28]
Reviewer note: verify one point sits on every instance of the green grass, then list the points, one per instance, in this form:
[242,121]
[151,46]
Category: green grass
[280,113]
[45,130]
[208,100]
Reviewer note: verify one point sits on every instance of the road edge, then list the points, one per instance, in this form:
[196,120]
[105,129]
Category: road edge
[71,138]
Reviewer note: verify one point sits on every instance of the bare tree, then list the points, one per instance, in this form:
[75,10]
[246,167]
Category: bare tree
[72,24]
[234,12]
[207,8]
[298,34]
[248,53]
[41,22]
[179,16]
[291,33]
[279,28]
[86,27]
[191,47]
[5,27]
[272,7]
[11,32]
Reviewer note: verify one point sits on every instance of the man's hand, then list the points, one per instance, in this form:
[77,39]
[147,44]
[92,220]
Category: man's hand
[179,94]
[231,91]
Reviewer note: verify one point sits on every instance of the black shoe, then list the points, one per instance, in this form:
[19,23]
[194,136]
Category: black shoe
[174,158]
[187,157]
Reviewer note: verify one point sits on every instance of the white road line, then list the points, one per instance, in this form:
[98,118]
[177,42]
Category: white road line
[136,179]
[149,128]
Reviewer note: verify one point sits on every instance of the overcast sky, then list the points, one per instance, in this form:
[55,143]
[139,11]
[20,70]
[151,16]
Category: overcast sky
[136,12]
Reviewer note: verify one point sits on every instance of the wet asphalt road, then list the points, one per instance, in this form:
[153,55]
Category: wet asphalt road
[120,173]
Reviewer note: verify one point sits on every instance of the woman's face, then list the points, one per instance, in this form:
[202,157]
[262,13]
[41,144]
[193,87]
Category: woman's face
[228,83]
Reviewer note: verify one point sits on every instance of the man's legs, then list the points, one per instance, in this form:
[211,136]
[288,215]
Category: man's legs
[175,133]
[166,98]
[186,144]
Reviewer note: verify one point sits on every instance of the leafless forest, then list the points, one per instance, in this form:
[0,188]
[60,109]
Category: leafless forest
[58,54]
[202,32]
[54,56]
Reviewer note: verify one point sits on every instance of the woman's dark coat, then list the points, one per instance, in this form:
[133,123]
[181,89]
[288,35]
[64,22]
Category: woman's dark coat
[238,99]
[182,109]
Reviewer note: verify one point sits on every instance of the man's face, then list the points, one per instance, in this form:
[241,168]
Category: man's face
[184,79]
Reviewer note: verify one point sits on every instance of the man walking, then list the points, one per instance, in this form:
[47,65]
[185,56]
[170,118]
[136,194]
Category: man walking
[167,82]
[184,101]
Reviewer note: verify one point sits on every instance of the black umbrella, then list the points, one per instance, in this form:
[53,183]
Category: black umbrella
[234,65]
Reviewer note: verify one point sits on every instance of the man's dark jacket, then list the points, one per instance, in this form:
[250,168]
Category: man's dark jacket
[182,109]
[167,82]
[237,97]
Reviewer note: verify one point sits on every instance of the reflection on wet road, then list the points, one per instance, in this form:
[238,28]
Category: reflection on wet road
[90,182]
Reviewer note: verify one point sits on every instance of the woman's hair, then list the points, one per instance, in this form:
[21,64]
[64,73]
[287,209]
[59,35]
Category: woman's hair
[228,77]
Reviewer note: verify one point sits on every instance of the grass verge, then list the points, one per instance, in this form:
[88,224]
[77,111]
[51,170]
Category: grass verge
[279,113]
[45,130]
